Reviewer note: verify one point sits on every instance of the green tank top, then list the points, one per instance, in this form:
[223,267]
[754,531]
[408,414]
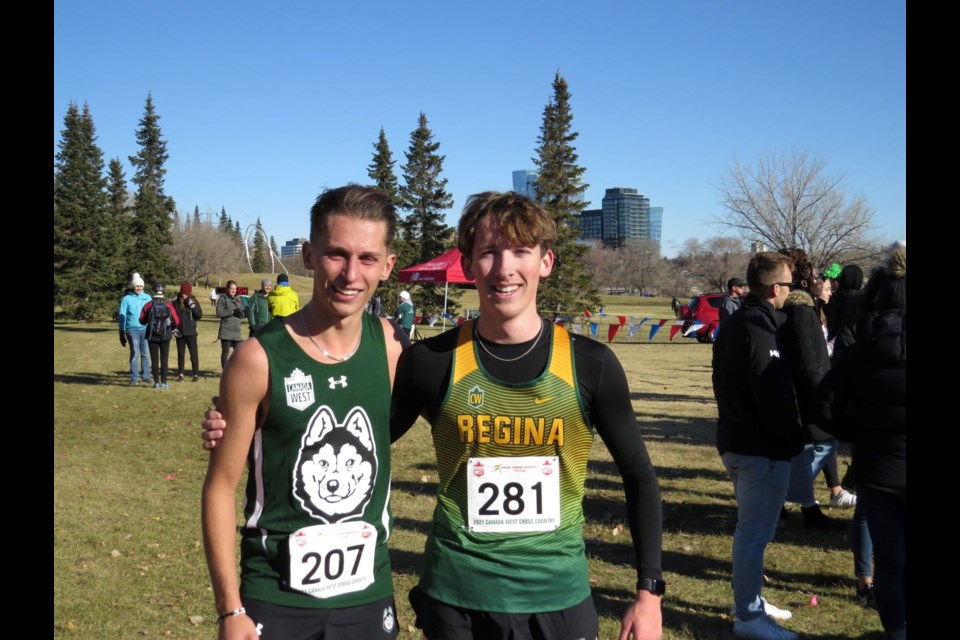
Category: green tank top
[317,509]
[507,532]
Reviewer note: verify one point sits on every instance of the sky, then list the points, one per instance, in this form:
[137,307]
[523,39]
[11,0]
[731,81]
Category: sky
[263,105]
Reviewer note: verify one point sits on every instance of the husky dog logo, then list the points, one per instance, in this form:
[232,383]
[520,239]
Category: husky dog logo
[337,466]
[388,619]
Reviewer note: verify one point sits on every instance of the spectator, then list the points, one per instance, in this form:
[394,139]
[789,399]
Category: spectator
[133,332]
[213,297]
[258,313]
[403,315]
[675,305]
[230,311]
[758,433]
[160,319]
[734,298]
[189,311]
[283,300]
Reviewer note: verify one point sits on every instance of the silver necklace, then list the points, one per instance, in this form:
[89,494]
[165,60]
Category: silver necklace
[479,338]
[303,320]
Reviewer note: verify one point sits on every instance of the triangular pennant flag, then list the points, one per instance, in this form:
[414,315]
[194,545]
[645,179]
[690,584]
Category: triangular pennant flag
[662,322]
[586,313]
[577,328]
[593,328]
[696,326]
[642,320]
[653,331]
[612,331]
[622,319]
[630,331]
[673,330]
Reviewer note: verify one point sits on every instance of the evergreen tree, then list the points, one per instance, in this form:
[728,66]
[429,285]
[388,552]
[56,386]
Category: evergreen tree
[425,196]
[196,215]
[258,260]
[152,208]
[273,248]
[225,224]
[119,219]
[236,233]
[381,172]
[560,191]
[381,169]
[84,284]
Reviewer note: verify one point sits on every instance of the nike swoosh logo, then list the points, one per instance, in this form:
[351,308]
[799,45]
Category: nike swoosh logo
[539,400]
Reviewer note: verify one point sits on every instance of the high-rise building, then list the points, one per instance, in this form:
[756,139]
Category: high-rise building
[524,182]
[590,224]
[626,215]
[656,223]
[291,248]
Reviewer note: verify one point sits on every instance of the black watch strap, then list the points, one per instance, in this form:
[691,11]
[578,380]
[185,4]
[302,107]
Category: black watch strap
[656,587]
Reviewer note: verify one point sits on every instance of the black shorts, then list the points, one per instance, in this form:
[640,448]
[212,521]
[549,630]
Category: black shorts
[374,621]
[440,621]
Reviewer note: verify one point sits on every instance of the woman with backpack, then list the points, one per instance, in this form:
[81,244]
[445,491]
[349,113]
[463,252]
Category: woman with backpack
[160,319]
[188,309]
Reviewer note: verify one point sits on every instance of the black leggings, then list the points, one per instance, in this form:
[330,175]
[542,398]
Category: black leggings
[190,342]
[159,360]
[225,346]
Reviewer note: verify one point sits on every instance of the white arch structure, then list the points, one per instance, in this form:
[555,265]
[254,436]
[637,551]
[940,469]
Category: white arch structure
[249,237]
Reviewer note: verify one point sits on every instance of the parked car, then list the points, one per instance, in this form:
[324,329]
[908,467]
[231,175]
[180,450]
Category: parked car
[703,309]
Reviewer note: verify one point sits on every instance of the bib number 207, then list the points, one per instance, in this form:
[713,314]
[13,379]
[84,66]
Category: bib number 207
[332,559]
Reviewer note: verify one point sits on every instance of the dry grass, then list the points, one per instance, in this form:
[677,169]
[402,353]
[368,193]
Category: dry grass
[127,471]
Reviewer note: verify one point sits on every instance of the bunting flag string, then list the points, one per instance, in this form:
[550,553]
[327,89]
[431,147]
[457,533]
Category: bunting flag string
[653,331]
[593,329]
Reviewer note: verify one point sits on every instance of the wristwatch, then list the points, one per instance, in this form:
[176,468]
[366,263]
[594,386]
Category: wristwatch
[656,587]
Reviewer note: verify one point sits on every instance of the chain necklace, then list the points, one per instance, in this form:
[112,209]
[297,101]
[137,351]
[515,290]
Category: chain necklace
[479,339]
[303,320]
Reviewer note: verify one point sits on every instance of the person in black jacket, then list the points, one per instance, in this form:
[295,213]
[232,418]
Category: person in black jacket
[758,432]
[189,311]
[842,310]
[805,347]
[864,400]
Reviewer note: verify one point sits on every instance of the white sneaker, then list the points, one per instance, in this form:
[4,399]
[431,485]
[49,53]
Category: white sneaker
[843,499]
[762,628]
[774,611]
[770,609]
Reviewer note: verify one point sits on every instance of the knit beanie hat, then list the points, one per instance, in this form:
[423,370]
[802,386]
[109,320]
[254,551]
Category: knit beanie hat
[136,280]
[187,288]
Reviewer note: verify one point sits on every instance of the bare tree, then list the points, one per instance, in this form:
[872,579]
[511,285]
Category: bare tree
[713,261]
[789,200]
[642,266]
[200,249]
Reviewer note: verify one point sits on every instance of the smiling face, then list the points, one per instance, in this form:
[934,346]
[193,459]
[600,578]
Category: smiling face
[349,260]
[507,276]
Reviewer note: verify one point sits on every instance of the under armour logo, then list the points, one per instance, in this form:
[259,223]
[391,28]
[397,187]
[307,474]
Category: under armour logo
[334,382]
[773,354]
[259,628]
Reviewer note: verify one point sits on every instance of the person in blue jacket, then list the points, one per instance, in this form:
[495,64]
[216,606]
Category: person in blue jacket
[132,332]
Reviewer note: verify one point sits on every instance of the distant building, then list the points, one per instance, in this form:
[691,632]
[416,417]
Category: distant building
[525,181]
[626,216]
[292,248]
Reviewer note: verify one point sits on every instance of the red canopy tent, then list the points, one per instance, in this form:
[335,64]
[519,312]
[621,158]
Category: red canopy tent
[444,268]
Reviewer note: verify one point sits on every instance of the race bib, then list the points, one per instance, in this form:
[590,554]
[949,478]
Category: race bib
[329,560]
[506,495]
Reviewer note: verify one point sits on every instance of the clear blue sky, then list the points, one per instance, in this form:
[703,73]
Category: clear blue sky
[265,104]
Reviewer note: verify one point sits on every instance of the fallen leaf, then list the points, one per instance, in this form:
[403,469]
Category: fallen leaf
[115,554]
[196,620]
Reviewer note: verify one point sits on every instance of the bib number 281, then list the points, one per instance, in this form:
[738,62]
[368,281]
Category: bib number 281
[513,494]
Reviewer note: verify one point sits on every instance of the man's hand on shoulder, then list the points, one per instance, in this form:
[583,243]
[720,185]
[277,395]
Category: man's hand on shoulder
[644,619]
[213,425]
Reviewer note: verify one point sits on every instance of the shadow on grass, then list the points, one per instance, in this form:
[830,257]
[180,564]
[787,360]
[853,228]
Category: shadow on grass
[641,396]
[74,328]
[417,488]
[410,562]
[121,378]
[694,618]
[419,526]
[597,468]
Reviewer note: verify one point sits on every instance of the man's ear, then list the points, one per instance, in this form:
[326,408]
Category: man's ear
[467,266]
[307,254]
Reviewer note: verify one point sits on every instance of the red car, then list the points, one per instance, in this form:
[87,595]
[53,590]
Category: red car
[705,310]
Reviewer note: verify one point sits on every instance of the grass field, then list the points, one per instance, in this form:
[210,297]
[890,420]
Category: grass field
[128,558]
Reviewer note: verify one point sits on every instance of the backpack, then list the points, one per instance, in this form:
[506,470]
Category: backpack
[158,325]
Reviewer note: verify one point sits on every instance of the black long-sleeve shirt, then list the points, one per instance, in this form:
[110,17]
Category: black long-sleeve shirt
[423,376]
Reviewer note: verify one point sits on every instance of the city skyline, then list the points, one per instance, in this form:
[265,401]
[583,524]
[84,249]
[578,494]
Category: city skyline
[261,113]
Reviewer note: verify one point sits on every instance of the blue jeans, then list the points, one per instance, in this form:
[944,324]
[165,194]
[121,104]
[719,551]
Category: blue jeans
[861,543]
[804,467]
[887,518]
[139,355]
[759,485]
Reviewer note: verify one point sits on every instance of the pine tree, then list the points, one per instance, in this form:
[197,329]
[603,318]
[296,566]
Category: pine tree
[560,191]
[152,208]
[425,196]
[84,285]
[273,248]
[258,260]
[236,233]
[119,218]
[381,172]
[225,224]
[196,215]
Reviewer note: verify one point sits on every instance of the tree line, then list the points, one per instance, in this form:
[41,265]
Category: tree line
[102,233]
